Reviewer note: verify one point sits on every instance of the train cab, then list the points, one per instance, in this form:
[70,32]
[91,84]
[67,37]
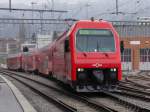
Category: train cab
[88,57]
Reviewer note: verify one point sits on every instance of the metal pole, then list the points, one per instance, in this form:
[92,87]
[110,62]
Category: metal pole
[116,7]
[52,8]
[41,17]
[32,11]
[32,3]
[87,10]
[52,14]
[10,5]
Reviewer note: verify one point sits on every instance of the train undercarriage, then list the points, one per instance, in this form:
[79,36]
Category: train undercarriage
[96,80]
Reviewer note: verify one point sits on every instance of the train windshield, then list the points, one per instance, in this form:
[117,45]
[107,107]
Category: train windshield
[95,40]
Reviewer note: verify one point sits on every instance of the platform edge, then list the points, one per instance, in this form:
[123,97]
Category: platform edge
[25,104]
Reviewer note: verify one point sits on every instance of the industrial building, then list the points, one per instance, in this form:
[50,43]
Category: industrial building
[136,37]
[9,45]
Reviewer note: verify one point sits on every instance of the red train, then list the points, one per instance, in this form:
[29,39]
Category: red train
[87,57]
[14,62]
[29,61]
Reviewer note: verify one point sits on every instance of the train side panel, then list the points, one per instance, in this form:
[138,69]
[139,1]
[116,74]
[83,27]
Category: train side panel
[14,62]
[43,66]
[30,62]
[61,65]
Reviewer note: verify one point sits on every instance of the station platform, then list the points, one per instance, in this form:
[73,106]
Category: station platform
[11,99]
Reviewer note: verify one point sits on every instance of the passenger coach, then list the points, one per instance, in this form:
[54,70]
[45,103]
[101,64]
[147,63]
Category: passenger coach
[14,62]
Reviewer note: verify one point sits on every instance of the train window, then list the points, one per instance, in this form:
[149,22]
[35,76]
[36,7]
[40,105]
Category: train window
[126,55]
[45,65]
[145,55]
[25,49]
[121,46]
[66,45]
[95,40]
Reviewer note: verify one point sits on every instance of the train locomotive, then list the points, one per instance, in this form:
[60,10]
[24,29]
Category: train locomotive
[87,57]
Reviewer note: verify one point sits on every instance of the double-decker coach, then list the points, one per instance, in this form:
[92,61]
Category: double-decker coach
[14,62]
[29,61]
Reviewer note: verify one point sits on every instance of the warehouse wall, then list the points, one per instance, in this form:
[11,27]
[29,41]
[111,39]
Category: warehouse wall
[135,44]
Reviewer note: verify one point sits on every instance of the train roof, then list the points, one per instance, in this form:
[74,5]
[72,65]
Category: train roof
[93,22]
[97,23]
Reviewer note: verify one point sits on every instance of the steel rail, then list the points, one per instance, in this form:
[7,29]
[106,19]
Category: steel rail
[81,98]
[49,98]
[139,107]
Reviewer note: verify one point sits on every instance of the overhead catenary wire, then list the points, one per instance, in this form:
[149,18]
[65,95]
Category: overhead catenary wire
[142,10]
[111,10]
[78,11]
[81,8]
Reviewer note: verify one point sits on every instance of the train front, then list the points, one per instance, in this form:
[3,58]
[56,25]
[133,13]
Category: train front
[96,60]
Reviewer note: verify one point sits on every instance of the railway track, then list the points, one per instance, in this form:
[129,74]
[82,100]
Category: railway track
[65,107]
[118,96]
[136,95]
[139,106]
[138,82]
[133,101]
[62,98]
[133,89]
[141,80]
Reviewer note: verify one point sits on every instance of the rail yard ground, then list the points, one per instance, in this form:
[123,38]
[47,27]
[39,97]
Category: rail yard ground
[46,95]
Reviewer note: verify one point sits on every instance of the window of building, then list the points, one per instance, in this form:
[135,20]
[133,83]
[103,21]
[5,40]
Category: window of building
[145,55]
[126,55]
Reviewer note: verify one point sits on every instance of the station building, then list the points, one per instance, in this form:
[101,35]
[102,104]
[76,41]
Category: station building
[136,37]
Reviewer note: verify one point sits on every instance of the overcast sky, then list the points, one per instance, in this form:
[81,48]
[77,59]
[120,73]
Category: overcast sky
[41,1]
[78,9]
[96,8]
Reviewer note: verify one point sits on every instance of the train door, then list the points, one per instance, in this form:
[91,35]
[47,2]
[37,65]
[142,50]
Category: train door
[126,60]
[50,56]
[59,61]
[44,67]
[25,61]
[145,59]
[67,51]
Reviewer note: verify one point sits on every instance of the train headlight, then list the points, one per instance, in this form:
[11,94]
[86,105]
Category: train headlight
[80,69]
[113,69]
